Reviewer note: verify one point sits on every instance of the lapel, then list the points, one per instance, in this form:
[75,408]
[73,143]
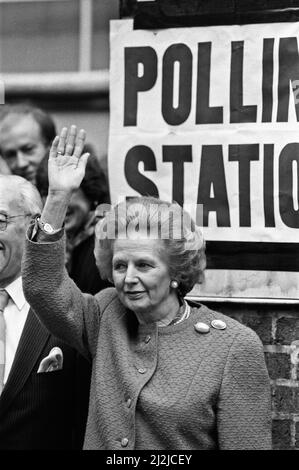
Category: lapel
[32,341]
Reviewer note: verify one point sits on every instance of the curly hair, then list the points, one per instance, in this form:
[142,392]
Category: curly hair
[182,241]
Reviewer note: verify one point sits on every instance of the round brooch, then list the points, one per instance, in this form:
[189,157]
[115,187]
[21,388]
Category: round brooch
[218,324]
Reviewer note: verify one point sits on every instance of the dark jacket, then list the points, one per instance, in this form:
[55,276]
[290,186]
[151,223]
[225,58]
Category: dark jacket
[83,269]
[45,410]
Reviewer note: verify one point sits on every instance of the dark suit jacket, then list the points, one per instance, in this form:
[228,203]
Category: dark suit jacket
[84,271]
[46,410]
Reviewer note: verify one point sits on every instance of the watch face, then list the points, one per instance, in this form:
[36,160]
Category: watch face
[48,228]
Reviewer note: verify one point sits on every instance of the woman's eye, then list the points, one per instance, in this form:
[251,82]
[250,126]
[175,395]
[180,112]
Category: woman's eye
[144,265]
[119,266]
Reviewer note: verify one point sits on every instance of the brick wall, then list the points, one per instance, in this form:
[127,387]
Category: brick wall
[278,328]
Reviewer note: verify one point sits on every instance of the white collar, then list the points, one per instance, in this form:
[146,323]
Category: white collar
[15,290]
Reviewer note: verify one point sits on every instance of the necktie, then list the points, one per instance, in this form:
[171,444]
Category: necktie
[3,302]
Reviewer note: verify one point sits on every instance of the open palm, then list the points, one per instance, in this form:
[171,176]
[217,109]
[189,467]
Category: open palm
[66,167]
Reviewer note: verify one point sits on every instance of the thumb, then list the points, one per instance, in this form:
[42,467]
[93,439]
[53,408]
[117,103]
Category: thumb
[83,161]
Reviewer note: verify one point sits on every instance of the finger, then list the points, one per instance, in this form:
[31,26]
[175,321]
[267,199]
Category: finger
[54,146]
[70,143]
[80,141]
[62,141]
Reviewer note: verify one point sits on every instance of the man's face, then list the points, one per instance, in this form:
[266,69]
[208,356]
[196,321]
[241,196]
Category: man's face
[12,239]
[21,145]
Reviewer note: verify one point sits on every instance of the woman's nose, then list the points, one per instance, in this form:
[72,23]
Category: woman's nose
[131,275]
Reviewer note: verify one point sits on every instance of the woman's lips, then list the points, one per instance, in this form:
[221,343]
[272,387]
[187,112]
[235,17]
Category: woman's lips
[134,294]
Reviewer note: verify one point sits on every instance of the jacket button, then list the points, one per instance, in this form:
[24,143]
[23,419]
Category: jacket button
[218,324]
[129,402]
[147,339]
[124,442]
[141,370]
[202,327]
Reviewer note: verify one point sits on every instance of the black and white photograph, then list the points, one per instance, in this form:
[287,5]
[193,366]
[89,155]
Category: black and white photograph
[149,228]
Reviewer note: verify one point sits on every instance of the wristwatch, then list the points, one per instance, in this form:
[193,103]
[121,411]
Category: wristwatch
[46,227]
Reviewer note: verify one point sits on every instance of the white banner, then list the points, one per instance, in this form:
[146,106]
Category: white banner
[209,115]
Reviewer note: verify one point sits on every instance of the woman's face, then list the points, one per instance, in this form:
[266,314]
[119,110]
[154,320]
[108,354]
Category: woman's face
[141,278]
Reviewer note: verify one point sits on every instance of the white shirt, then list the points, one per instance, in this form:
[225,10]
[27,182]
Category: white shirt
[15,315]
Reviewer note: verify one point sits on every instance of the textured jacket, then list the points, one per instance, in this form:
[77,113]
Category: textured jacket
[154,388]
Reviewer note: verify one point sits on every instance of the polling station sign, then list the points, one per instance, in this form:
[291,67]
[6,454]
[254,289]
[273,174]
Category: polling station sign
[208,117]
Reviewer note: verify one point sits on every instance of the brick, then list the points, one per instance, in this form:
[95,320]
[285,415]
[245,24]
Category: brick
[297,436]
[235,316]
[287,330]
[279,365]
[281,434]
[261,324]
[286,399]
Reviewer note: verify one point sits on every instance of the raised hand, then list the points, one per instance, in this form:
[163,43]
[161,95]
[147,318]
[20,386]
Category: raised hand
[67,165]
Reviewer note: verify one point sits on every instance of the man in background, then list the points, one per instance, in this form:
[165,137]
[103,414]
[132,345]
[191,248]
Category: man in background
[26,134]
[44,384]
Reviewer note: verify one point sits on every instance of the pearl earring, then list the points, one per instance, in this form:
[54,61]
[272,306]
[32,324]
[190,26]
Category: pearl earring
[174,284]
